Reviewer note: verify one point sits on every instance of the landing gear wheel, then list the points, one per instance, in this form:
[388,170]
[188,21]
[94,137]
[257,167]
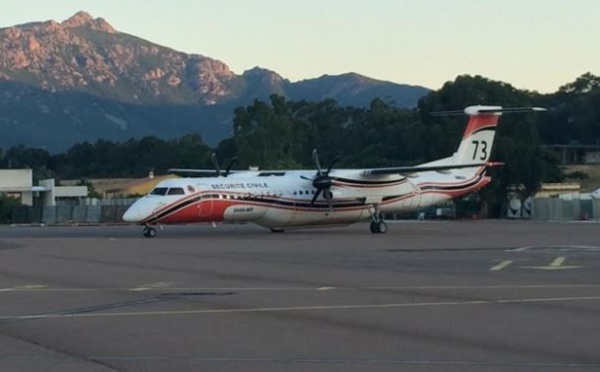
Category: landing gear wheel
[277,230]
[382,227]
[379,227]
[149,232]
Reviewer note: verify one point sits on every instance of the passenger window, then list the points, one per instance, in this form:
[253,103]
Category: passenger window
[176,191]
[159,191]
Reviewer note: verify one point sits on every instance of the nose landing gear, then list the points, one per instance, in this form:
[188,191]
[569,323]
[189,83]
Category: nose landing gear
[149,232]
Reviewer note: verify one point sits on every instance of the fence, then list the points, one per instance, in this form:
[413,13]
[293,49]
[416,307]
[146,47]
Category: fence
[111,211]
[550,209]
[70,214]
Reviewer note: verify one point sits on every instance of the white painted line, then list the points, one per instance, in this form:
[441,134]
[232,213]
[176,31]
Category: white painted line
[519,249]
[299,308]
[157,285]
[31,286]
[566,247]
[300,289]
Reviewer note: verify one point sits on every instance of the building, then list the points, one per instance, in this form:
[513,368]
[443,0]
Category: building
[18,183]
[136,187]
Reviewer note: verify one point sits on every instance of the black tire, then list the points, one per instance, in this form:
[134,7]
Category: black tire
[374,227]
[382,227]
[150,232]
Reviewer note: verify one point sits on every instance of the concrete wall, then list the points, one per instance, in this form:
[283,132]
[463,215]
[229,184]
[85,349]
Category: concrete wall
[16,178]
[18,181]
[70,192]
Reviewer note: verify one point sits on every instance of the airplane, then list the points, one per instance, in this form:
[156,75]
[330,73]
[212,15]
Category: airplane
[286,199]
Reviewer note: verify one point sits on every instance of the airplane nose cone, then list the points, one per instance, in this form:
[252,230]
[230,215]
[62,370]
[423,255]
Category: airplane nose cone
[132,214]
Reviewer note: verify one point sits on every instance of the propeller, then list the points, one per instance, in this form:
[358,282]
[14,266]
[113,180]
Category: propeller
[229,163]
[215,162]
[321,181]
[228,168]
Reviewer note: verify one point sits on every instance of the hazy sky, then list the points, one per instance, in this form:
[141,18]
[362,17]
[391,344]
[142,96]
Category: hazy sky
[532,44]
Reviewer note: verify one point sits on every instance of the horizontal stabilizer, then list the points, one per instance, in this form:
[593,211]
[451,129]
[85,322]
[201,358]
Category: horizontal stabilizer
[416,169]
[487,110]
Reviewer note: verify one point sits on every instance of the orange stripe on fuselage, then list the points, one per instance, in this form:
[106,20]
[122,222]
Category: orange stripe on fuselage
[480,121]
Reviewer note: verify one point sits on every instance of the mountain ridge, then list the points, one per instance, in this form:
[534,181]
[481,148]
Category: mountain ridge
[89,60]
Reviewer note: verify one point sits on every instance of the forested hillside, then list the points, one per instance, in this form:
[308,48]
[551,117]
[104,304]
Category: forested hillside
[280,134]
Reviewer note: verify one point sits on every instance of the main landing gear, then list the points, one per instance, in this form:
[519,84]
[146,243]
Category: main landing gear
[378,225]
[149,232]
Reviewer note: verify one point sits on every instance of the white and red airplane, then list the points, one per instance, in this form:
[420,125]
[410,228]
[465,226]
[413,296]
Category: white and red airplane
[281,199]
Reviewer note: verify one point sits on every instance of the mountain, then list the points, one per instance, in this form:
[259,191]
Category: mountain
[81,79]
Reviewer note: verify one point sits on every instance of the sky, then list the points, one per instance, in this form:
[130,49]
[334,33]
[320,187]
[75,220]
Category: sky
[531,44]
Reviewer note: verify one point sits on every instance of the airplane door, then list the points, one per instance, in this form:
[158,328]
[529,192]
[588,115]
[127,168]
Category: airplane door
[205,206]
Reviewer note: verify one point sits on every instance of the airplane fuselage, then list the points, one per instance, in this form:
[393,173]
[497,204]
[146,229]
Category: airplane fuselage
[280,200]
[296,198]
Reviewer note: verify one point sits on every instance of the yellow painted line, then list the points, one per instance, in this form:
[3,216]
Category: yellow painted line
[501,265]
[557,261]
[556,264]
[299,308]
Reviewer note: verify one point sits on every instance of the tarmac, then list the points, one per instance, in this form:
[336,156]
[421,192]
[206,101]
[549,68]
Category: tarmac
[426,296]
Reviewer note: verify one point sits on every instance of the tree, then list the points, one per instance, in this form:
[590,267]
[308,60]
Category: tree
[517,142]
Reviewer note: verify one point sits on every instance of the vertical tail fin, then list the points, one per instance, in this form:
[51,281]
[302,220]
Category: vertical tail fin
[476,144]
[477,140]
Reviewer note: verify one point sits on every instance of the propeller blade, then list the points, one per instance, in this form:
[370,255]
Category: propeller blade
[335,160]
[312,202]
[306,178]
[315,156]
[215,162]
[233,160]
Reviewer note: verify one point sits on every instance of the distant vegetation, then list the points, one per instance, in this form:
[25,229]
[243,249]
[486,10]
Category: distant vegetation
[280,134]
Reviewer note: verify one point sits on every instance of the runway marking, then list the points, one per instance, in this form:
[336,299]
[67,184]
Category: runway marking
[296,308]
[307,360]
[501,265]
[565,248]
[25,287]
[41,289]
[367,361]
[554,265]
[157,285]
[31,286]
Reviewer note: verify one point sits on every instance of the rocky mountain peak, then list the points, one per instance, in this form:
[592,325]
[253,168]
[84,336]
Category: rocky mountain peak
[84,19]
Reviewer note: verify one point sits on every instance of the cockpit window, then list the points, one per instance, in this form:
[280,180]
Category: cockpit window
[176,191]
[159,191]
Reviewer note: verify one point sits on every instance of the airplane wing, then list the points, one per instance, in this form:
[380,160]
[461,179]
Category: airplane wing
[423,168]
[201,172]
